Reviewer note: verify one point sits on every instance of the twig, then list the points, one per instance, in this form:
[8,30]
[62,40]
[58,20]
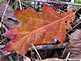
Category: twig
[67,56]
[5,11]
[63,52]
[74,27]
[36,52]
[59,2]
[10,58]
[20,4]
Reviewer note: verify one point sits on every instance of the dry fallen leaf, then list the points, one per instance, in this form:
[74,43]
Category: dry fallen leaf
[40,27]
[76,34]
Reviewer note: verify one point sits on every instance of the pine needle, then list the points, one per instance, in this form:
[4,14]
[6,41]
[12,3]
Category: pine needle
[36,52]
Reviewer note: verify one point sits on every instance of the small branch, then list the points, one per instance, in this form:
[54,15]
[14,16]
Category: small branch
[5,11]
[74,27]
[20,4]
[59,2]
[10,58]
[67,56]
[63,52]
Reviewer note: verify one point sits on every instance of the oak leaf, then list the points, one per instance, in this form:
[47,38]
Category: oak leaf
[40,27]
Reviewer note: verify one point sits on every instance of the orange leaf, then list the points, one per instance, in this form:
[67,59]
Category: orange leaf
[40,27]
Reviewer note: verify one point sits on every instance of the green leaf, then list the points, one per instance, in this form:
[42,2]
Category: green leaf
[26,2]
[15,5]
[78,2]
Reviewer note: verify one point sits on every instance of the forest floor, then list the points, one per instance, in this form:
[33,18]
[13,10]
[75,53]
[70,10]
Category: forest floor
[75,40]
